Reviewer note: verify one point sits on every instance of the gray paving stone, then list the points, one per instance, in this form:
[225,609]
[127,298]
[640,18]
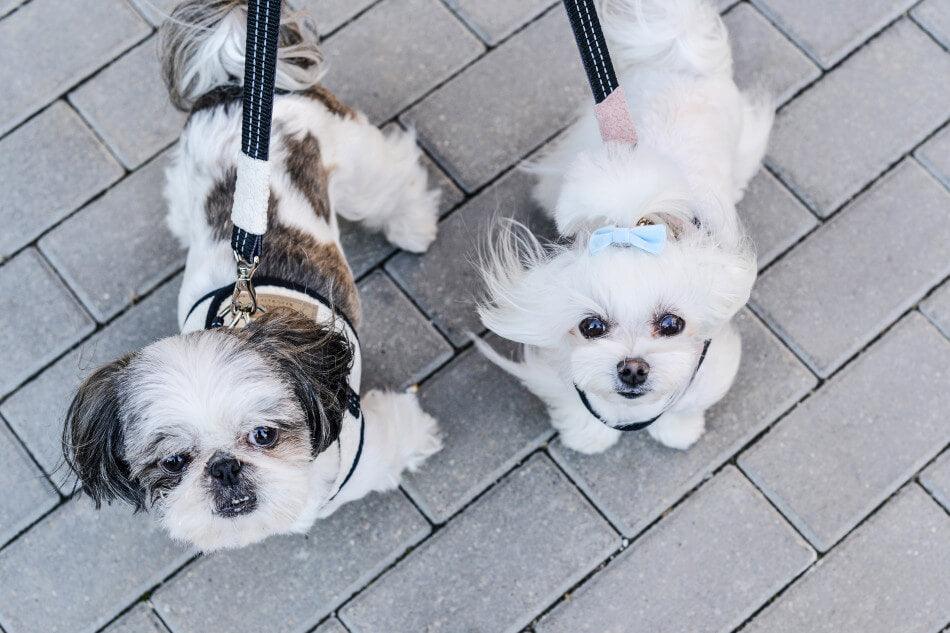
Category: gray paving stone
[722,5]
[36,410]
[937,308]
[763,60]
[489,423]
[934,15]
[331,626]
[46,48]
[706,567]
[155,11]
[380,69]
[119,247]
[128,106]
[39,319]
[79,567]
[773,216]
[851,278]
[835,458]
[400,347]
[494,20]
[527,89]
[634,482]
[935,156]
[55,164]
[443,282]
[330,15]
[289,583]
[890,575]
[936,479]
[831,30]
[365,249]
[6,6]
[141,619]
[860,118]
[27,494]
[492,569]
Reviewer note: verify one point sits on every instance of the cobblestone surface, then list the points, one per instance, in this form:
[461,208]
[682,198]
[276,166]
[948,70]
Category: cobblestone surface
[812,503]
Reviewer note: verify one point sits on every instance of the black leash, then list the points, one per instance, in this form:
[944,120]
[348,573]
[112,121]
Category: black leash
[593,48]
[639,426]
[260,68]
[610,104]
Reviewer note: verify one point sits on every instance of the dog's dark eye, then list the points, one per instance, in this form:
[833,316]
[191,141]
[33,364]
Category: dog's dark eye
[669,325]
[174,464]
[263,436]
[592,327]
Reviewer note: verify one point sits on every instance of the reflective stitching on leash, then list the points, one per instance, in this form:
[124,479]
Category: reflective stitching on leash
[600,54]
[589,48]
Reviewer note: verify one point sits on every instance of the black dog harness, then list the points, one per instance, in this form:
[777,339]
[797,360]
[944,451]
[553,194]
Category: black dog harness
[639,426]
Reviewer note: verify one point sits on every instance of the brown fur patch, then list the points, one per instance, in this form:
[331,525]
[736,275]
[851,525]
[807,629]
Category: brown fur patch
[330,101]
[289,253]
[307,173]
[292,254]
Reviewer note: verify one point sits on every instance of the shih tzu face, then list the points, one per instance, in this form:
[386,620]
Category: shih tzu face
[215,431]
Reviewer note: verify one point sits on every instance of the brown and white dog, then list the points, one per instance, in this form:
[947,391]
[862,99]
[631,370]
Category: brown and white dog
[232,435]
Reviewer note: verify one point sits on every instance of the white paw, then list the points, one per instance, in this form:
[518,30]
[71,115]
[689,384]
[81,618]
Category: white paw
[413,432]
[428,440]
[415,229]
[590,438]
[678,432]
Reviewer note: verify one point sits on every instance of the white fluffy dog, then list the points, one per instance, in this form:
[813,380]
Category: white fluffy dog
[622,339]
[232,435]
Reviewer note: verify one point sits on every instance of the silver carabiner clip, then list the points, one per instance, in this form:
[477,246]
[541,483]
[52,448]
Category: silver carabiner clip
[244,298]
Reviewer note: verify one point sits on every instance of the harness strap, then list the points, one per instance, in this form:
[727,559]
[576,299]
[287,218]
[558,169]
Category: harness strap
[638,426]
[249,213]
[610,104]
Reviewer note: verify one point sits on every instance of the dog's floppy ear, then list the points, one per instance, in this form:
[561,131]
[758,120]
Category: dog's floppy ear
[727,275]
[524,298]
[314,360]
[93,438]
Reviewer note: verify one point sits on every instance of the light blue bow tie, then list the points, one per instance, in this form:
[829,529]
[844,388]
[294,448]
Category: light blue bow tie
[649,238]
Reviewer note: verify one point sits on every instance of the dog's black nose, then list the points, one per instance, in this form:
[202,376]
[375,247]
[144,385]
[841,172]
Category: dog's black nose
[224,468]
[633,371]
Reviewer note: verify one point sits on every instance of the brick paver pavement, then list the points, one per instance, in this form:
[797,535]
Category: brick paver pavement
[818,499]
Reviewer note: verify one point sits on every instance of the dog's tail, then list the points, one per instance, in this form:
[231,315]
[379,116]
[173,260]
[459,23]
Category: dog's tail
[683,34]
[203,42]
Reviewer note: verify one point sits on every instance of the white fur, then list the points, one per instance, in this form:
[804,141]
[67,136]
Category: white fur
[700,141]
[201,393]
[400,436]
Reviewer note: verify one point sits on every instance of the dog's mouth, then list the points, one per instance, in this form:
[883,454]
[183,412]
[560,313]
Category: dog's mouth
[631,394]
[236,506]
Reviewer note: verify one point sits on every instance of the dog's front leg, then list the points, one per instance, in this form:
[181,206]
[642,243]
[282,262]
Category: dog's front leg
[583,433]
[678,430]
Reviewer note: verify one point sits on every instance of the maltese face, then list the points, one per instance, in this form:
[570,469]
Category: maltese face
[639,324]
[628,326]
[216,431]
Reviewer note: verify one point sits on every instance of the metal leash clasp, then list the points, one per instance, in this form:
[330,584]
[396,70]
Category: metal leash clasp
[244,304]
